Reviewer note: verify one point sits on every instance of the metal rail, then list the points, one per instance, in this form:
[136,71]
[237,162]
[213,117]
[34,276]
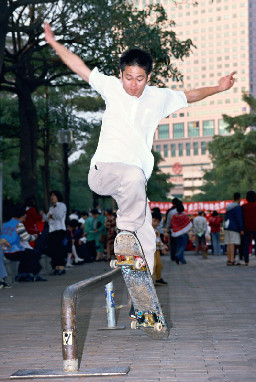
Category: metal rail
[69,326]
[69,316]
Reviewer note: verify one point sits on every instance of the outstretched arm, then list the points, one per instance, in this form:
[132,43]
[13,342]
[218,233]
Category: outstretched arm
[70,59]
[225,83]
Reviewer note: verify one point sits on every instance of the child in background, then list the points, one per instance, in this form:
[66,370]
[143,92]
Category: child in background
[160,246]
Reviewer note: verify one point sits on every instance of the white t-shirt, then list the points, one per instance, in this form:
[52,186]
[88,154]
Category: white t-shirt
[58,216]
[129,123]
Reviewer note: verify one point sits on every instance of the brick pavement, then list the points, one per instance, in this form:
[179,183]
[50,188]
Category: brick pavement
[212,307]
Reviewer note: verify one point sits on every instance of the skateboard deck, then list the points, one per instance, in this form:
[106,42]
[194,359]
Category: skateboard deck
[137,277]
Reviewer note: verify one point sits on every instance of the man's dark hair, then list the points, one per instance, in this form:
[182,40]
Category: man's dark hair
[176,201]
[251,196]
[237,195]
[18,211]
[73,223]
[58,194]
[180,208]
[136,57]
[94,211]
[215,213]
[30,201]
[156,215]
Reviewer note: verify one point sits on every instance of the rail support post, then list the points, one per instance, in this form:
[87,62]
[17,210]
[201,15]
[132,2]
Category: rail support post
[110,305]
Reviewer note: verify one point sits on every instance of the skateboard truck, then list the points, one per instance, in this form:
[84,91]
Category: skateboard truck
[136,263]
[147,320]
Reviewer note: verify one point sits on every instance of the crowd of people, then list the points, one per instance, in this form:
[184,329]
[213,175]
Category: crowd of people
[238,226]
[81,237]
[84,237]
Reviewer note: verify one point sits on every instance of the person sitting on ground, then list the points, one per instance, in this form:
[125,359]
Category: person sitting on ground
[160,246]
[33,219]
[15,233]
[83,217]
[71,248]
[99,232]
[110,224]
[4,244]
[73,215]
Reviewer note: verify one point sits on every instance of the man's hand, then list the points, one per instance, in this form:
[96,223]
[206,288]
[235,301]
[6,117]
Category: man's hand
[226,82]
[196,95]
[5,244]
[49,35]
[70,59]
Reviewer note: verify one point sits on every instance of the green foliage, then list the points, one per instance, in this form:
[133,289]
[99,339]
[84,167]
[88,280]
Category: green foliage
[158,186]
[233,157]
[98,31]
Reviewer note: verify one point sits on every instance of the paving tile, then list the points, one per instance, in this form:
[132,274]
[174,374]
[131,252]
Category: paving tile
[213,336]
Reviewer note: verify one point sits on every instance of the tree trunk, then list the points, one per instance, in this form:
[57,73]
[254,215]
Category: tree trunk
[28,140]
[4,17]
[45,169]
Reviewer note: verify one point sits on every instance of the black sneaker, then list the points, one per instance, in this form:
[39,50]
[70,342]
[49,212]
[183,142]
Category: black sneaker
[39,278]
[132,313]
[160,282]
[24,277]
[5,284]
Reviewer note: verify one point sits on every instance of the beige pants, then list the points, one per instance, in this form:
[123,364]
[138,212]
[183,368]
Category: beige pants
[127,185]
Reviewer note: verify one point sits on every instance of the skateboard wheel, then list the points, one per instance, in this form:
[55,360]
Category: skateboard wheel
[113,264]
[158,326]
[138,264]
[134,325]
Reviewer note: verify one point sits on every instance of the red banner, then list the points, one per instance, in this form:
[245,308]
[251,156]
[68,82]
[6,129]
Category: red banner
[192,208]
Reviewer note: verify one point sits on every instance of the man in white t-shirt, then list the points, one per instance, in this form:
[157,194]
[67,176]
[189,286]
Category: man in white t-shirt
[123,162]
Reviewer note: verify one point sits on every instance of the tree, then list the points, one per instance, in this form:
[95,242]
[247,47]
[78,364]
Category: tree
[97,30]
[158,185]
[233,157]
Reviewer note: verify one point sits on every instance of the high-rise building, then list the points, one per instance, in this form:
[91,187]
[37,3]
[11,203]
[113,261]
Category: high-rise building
[224,32]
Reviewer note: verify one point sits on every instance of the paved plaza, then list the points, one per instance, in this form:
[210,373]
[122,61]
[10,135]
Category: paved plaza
[212,308]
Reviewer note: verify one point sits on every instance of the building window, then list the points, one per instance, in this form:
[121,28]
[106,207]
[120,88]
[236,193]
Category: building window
[163,131]
[180,149]
[193,129]
[173,149]
[178,130]
[188,149]
[165,151]
[195,148]
[203,148]
[158,148]
[222,127]
[208,128]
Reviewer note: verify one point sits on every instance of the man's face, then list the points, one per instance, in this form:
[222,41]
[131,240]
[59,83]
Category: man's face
[155,222]
[22,218]
[54,198]
[134,80]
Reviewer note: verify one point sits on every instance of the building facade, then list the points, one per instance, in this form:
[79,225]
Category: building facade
[224,33]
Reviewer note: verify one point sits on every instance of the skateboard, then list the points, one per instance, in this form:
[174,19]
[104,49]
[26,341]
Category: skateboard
[137,277]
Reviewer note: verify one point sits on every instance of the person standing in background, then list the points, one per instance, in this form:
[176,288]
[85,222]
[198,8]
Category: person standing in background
[234,228]
[200,228]
[214,222]
[249,217]
[57,232]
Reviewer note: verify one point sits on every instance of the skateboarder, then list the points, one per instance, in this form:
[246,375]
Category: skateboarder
[123,162]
